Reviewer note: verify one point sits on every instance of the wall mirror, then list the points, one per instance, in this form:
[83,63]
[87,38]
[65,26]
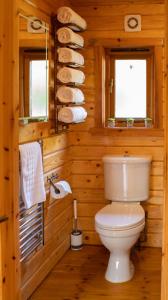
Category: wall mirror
[33,69]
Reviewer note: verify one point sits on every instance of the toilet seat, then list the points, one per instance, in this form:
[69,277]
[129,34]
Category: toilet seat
[120,216]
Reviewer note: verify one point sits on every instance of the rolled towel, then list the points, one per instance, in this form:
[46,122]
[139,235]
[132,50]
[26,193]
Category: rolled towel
[72,114]
[70,75]
[66,55]
[67,36]
[67,94]
[66,15]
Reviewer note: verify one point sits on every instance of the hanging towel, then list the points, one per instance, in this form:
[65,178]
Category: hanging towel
[67,94]
[32,179]
[67,36]
[66,55]
[70,75]
[66,15]
[72,114]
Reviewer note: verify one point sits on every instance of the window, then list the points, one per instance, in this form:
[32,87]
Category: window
[129,82]
[129,74]
[130,88]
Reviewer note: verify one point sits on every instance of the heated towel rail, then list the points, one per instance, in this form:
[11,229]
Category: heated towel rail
[31,227]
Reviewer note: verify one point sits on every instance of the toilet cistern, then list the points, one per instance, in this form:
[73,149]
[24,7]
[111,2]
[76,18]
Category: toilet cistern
[126,182]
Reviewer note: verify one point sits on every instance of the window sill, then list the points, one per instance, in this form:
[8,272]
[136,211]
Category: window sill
[128,132]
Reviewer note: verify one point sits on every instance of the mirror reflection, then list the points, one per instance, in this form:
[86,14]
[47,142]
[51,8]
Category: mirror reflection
[33,68]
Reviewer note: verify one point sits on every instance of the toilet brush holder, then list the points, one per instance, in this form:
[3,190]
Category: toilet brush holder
[76,240]
[76,234]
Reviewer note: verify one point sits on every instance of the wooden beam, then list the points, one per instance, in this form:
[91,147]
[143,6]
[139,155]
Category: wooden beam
[9,179]
[164,282]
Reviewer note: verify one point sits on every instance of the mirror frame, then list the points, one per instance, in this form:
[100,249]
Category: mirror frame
[29,119]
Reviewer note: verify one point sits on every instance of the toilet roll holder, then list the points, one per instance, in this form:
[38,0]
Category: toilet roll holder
[50,180]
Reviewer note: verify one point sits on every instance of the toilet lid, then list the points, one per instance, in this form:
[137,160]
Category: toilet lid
[120,216]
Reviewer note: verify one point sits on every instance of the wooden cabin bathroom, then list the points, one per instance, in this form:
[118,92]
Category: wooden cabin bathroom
[83,150]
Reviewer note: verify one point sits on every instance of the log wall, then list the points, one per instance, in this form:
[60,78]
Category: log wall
[105,21]
[57,214]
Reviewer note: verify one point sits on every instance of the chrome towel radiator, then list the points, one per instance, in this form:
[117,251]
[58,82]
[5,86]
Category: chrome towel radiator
[31,228]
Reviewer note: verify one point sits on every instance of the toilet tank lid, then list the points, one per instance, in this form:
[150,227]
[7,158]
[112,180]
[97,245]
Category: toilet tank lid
[127,159]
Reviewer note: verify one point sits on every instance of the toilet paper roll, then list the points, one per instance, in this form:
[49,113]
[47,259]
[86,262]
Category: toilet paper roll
[63,189]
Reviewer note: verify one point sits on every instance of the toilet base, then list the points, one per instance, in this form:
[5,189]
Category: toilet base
[120,268]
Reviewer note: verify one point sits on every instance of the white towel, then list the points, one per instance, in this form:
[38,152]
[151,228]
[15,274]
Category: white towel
[66,15]
[70,75]
[72,114]
[66,55]
[67,36]
[32,179]
[67,94]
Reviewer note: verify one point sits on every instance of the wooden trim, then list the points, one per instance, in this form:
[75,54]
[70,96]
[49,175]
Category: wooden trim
[164,275]
[129,42]
[125,132]
[157,90]
[9,173]
[26,87]
[109,111]
[24,83]
[159,83]
[100,84]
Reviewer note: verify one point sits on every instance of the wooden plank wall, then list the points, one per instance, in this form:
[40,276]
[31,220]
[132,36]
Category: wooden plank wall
[9,100]
[105,20]
[164,274]
[57,214]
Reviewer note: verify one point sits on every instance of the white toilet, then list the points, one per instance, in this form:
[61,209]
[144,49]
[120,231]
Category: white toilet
[119,224]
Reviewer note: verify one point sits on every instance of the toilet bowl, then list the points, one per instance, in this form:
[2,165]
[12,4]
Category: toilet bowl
[120,223]
[119,228]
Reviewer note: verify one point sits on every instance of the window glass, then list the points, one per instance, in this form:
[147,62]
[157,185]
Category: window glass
[38,88]
[130,88]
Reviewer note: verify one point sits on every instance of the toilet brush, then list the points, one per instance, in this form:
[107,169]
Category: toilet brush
[76,234]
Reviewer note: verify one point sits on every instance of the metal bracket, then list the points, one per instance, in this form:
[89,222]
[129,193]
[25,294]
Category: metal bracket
[50,180]
[3,219]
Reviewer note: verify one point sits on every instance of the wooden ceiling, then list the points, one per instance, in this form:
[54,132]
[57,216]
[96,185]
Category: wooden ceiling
[54,4]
